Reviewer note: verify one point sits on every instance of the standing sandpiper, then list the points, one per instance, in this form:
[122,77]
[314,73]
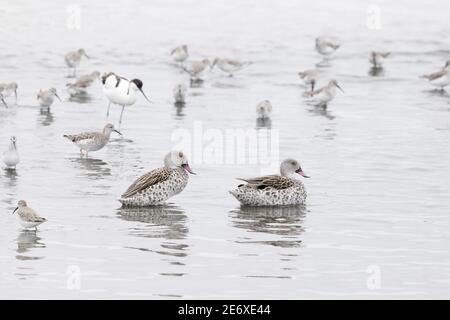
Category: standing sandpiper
[73,60]
[310,77]
[228,65]
[264,109]
[28,217]
[376,58]
[326,46]
[83,83]
[11,156]
[92,141]
[7,89]
[195,68]
[440,78]
[322,96]
[180,54]
[46,97]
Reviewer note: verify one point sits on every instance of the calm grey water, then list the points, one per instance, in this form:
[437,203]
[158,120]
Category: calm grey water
[376,223]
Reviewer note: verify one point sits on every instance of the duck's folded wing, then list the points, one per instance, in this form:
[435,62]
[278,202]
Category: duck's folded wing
[271,181]
[151,178]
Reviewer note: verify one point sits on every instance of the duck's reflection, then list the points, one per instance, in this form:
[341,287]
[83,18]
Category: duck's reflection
[26,242]
[166,222]
[94,168]
[46,117]
[282,222]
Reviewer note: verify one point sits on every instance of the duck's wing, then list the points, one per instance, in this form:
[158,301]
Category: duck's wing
[150,178]
[82,136]
[271,181]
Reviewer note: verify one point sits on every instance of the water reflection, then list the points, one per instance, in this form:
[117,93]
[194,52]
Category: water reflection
[280,221]
[94,168]
[376,71]
[179,107]
[11,178]
[46,116]
[196,83]
[26,242]
[320,111]
[80,97]
[263,123]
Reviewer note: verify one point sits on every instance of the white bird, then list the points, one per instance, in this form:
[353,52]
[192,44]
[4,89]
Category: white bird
[92,141]
[376,58]
[73,59]
[196,68]
[326,46]
[46,97]
[440,78]
[28,217]
[180,54]
[7,89]
[179,93]
[11,156]
[264,109]
[325,94]
[121,91]
[228,65]
[310,77]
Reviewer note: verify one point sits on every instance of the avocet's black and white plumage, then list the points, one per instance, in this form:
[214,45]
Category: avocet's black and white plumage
[121,91]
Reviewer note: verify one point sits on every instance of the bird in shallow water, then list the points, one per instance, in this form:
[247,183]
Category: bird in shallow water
[92,141]
[180,54]
[7,89]
[440,78]
[324,95]
[229,66]
[310,77]
[158,185]
[274,190]
[196,68]
[46,97]
[264,109]
[179,93]
[376,58]
[326,46]
[83,83]
[28,217]
[73,59]
[11,156]
[121,91]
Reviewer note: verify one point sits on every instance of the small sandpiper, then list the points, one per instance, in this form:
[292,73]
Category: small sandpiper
[196,68]
[121,91]
[326,46]
[7,89]
[440,78]
[11,156]
[310,77]
[376,58]
[83,83]
[73,59]
[179,93]
[274,190]
[158,185]
[325,94]
[264,109]
[28,217]
[180,54]
[92,141]
[228,65]
[46,97]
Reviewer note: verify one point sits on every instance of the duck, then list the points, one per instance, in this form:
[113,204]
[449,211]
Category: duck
[274,190]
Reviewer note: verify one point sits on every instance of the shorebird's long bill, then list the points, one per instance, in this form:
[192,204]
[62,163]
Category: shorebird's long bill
[117,131]
[86,56]
[57,97]
[4,102]
[145,95]
[17,208]
[337,86]
[300,172]
[188,168]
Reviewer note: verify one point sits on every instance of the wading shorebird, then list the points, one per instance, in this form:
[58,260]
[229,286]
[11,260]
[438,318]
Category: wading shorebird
[325,94]
[28,217]
[228,65]
[180,54]
[11,156]
[326,46]
[195,68]
[83,83]
[441,78]
[264,109]
[121,91]
[179,93]
[158,185]
[92,141]
[7,89]
[376,58]
[46,97]
[274,190]
[73,59]
[310,77]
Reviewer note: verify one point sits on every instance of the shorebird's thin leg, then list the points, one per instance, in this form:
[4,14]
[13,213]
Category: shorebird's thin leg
[313,83]
[120,120]
[107,112]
